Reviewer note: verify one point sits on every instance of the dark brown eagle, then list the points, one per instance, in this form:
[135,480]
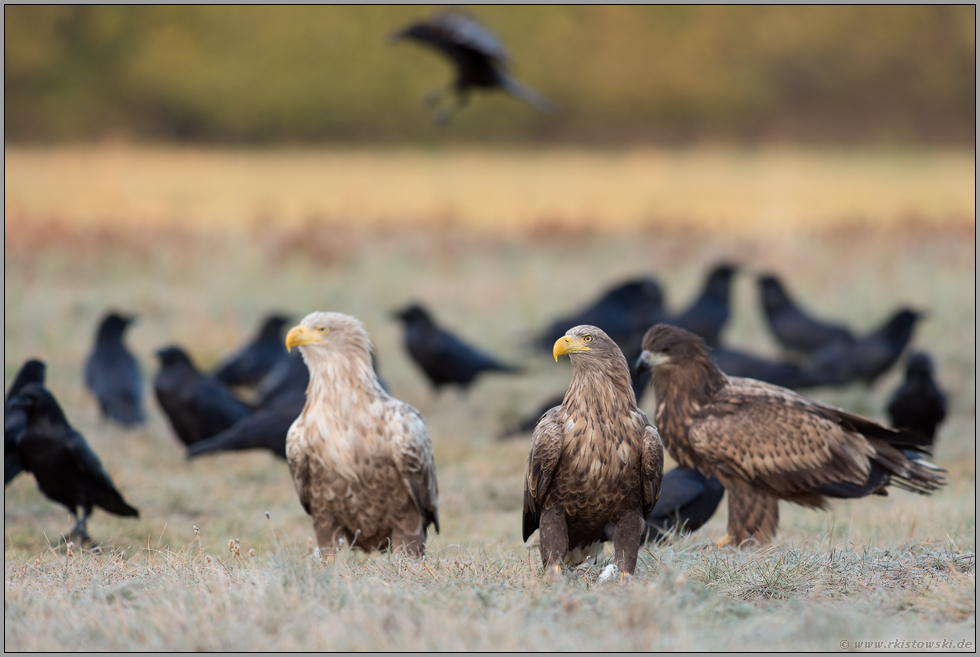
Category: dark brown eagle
[767,443]
[595,464]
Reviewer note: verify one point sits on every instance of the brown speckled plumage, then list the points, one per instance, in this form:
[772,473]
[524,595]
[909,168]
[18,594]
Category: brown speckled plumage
[767,443]
[361,460]
[595,463]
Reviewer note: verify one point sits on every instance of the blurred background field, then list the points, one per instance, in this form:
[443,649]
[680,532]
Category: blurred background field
[201,167]
[619,74]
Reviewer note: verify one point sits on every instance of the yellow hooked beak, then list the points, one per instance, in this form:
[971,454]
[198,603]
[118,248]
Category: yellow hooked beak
[301,335]
[568,345]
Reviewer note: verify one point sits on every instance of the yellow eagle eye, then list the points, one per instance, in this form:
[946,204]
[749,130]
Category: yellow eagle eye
[587,338]
[322,329]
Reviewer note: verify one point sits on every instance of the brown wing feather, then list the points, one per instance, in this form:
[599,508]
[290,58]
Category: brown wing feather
[412,451]
[653,468]
[777,440]
[299,465]
[542,460]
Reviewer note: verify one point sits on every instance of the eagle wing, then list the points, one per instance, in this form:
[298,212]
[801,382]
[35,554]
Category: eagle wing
[777,441]
[542,460]
[412,452]
[297,455]
[653,467]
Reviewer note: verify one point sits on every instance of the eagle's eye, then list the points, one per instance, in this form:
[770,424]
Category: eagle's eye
[587,338]
[322,329]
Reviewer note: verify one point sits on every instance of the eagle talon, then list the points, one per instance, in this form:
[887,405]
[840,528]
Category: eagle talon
[724,541]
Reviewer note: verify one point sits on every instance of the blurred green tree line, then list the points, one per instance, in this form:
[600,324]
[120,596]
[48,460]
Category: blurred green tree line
[621,74]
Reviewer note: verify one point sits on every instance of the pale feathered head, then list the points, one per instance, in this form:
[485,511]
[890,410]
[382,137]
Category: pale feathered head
[323,337]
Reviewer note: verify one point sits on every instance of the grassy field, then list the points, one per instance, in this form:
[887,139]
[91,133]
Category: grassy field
[201,244]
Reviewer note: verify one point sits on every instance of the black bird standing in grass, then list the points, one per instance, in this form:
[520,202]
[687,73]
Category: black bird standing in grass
[198,406]
[443,357]
[66,468]
[865,359]
[622,312]
[15,419]
[256,359]
[918,405]
[266,428]
[738,363]
[687,500]
[282,395]
[707,316]
[113,375]
[793,328]
[478,55]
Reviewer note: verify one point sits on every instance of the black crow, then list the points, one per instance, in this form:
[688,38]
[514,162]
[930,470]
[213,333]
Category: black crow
[625,313]
[443,357]
[738,363]
[113,375]
[286,377]
[66,468]
[527,424]
[707,316]
[478,55]
[687,500]
[198,406]
[15,419]
[918,405]
[793,328]
[840,363]
[256,359]
[266,428]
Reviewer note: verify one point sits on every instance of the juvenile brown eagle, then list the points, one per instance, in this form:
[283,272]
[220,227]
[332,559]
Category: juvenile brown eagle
[361,460]
[595,464]
[767,443]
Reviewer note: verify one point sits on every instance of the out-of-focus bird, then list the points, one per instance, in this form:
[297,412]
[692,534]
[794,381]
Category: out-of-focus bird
[266,428]
[866,359]
[707,315]
[66,468]
[479,58]
[527,424]
[361,461]
[113,375]
[15,419]
[738,363]
[443,357]
[287,377]
[622,312]
[197,406]
[794,329]
[256,359]
[595,463]
[766,443]
[918,405]
[687,500]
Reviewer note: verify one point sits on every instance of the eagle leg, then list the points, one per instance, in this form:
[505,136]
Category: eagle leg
[553,538]
[752,514]
[412,544]
[329,534]
[626,541]
[724,541]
